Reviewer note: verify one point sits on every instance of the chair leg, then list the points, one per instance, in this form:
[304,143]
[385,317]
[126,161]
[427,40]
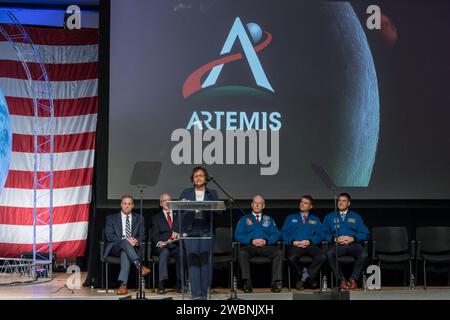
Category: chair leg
[107,280]
[289,277]
[320,280]
[424,275]
[411,274]
[153,276]
[405,273]
[103,275]
[448,278]
[415,271]
[232,288]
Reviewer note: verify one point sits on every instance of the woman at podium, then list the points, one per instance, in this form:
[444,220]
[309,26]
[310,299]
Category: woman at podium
[198,226]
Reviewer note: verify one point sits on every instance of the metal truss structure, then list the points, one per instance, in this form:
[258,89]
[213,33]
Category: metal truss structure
[44,124]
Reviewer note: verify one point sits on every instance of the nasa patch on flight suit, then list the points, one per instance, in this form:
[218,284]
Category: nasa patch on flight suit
[266,221]
[351,220]
[312,222]
[294,220]
[249,222]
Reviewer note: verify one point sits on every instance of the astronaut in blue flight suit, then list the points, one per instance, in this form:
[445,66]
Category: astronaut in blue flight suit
[346,229]
[258,236]
[302,233]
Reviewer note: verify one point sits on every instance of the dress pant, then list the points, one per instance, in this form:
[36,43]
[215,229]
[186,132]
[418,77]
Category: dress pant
[295,253]
[247,252]
[355,250]
[164,255]
[198,255]
[128,255]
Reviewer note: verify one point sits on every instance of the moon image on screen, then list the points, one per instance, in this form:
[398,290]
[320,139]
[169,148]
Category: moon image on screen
[5,141]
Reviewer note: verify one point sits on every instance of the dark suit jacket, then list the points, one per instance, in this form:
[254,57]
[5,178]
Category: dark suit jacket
[161,230]
[189,224]
[113,230]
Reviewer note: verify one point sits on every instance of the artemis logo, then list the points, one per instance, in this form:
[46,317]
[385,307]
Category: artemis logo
[193,82]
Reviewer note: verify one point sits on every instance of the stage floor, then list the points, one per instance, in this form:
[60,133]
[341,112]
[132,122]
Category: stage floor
[56,290]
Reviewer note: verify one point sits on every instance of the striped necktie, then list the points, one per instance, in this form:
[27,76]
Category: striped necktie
[128,227]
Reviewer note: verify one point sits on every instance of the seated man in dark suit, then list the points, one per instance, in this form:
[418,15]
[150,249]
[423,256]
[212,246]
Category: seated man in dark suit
[163,225]
[124,232]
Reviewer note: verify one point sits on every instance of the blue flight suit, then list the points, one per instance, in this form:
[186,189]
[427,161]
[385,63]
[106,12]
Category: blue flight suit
[246,231]
[295,230]
[334,225]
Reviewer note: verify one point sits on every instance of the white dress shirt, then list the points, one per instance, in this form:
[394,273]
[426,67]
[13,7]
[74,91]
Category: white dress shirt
[257,214]
[199,195]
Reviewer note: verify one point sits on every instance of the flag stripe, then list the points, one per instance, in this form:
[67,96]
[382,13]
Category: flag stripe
[63,125]
[62,143]
[55,72]
[23,198]
[51,54]
[63,248]
[56,37]
[62,107]
[64,214]
[60,232]
[60,89]
[61,161]
[61,179]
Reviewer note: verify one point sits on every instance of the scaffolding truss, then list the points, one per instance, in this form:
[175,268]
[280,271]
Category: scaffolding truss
[43,130]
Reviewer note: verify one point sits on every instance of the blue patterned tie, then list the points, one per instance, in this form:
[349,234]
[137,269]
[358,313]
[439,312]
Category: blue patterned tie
[128,227]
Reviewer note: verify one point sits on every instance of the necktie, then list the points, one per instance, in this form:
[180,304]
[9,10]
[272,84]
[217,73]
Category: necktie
[128,227]
[257,218]
[343,216]
[304,219]
[169,219]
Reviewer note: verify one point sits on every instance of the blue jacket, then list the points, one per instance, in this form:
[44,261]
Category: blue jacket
[353,226]
[248,229]
[189,221]
[113,230]
[295,230]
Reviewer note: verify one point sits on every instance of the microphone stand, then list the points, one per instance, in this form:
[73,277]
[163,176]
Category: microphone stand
[140,295]
[336,217]
[233,295]
[326,179]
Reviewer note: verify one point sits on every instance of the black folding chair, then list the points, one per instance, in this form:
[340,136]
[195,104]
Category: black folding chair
[390,245]
[433,246]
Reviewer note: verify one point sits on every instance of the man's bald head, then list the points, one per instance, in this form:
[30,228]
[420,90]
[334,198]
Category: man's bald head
[258,204]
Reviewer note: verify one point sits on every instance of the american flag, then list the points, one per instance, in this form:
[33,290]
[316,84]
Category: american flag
[71,61]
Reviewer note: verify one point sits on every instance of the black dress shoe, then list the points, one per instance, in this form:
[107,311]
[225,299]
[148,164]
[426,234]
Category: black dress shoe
[161,289]
[248,286]
[311,284]
[300,285]
[276,287]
